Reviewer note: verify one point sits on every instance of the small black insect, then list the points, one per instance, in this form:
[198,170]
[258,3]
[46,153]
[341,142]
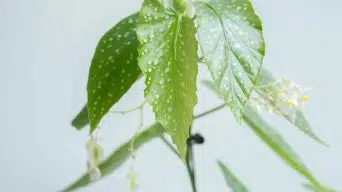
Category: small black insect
[195,139]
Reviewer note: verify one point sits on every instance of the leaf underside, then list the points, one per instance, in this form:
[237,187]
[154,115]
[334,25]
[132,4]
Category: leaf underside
[232,47]
[113,69]
[168,58]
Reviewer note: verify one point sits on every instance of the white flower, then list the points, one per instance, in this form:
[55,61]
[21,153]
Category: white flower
[95,157]
[94,173]
[281,97]
[291,97]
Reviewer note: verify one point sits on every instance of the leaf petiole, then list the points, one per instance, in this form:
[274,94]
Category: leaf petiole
[139,107]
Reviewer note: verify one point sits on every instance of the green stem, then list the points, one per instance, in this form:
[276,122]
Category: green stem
[189,155]
[189,161]
[190,164]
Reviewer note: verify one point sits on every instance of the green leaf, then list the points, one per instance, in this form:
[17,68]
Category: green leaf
[315,188]
[232,181]
[274,140]
[266,78]
[81,120]
[118,157]
[232,46]
[113,68]
[168,58]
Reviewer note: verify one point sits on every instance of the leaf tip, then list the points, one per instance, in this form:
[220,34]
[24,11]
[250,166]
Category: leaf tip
[182,150]
[92,129]
[76,124]
[81,119]
[323,143]
[317,188]
[219,163]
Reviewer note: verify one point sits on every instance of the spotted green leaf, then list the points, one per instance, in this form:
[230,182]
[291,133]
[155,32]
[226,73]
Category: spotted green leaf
[232,46]
[119,156]
[273,140]
[113,68]
[299,120]
[168,58]
[232,181]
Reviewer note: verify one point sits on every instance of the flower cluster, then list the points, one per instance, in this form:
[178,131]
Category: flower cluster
[95,157]
[282,97]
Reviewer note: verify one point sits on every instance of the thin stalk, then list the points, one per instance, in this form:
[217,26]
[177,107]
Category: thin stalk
[190,165]
[170,146]
[209,111]
[189,161]
[139,107]
[195,117]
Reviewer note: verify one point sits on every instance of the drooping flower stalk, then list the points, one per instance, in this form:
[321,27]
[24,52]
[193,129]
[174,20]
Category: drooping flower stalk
[132,176]
[95,157]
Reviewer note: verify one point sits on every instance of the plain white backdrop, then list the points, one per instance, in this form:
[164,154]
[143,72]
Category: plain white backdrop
[45,52]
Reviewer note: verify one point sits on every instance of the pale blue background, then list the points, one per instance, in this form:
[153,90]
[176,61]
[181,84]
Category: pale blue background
[45,49]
